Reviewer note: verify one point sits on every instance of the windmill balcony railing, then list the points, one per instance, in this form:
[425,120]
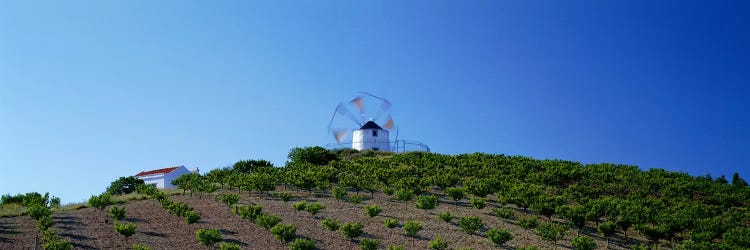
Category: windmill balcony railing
[397,146]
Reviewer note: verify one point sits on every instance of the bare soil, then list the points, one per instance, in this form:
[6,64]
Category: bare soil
[90,228]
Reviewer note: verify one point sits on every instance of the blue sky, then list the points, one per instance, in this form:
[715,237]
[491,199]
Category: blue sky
[91,91]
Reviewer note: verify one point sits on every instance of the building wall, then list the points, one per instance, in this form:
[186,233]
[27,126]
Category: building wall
[363,139]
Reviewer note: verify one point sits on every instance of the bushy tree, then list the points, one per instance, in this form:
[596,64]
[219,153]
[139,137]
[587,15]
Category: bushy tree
[314,155]
[208,237]
[470,224]
[583,243]
[411,228]
[351,230]
[284,232]
[438,243]
[456,193]
[124,185]
[499,236]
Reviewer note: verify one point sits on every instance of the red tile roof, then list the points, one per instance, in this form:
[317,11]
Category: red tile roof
[158,171]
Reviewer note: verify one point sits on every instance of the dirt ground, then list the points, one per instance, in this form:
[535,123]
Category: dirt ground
[90,228]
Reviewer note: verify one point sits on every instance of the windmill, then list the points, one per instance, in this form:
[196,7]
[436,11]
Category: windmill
[367,118]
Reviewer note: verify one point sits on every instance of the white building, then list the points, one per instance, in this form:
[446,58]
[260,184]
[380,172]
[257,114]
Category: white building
[371,137]
[162,178]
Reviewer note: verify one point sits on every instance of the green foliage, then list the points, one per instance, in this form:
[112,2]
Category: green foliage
[314,208]
[140,247]
[411,228]
[117,212]
[404,194]
[445,216]
[479,187]
[285,196]
[126,229]
[426,202]
[57,244]
[528,248]
[229,199]
[470,224]
[390,223]
[252,166]
[373,210]
[300,205]
[229,246]
[499,236]
[208,237]
[528,222]
[313,155]
[284,232]
[738,237]
[478,203]
[351,230]
[267,221]
[456,193]
[438,243]
[583,243]
[302,244]
[396,247]
[355,198]
[249,212]
[606,229]
[37,211]
[33,198]
[330,224]
[100,201]
[124,185]
[44,222]
[551,231]
[576,214]
[369,244]
[191,217]
[388,190]
[505,213]
[339,193]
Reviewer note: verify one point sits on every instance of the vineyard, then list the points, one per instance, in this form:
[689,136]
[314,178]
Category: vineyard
[345,199]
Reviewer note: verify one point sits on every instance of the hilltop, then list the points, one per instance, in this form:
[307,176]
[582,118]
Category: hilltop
[478,201]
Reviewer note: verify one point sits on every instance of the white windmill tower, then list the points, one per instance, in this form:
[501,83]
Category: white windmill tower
[367,135]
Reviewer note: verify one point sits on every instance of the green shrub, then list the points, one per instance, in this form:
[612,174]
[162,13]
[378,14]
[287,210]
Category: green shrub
[373,210]
[44,222]
[300,205]
[446,216]
[302,244]
[390,223]
[117,212]
[470,224]
[179,208]
[313,208]
[396,247]
[229,199]
[411,228]
[583,243]
[126,229]
[528,222]
[267,221]
[208,237]
[355,198]
[339,193]
[57,244]
[388,191]
[438,243]
[140,247]
[285,196]
[192,217]
[284,232]
[505,213]
[478,203]
[551,232]
[229,246]
[456,193]
[499,236]
[369,244]
[249,212]
[426,202]
[37,211]
[528,248]
[404,194]
[351,230]
[100,202]
[330,224]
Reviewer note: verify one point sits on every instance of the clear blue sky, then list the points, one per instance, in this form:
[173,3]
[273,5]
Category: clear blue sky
[90,91]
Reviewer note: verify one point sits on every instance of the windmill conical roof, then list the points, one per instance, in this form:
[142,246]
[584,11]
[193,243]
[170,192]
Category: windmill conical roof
[371,125]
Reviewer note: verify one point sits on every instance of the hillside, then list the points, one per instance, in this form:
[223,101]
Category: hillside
[634,208]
